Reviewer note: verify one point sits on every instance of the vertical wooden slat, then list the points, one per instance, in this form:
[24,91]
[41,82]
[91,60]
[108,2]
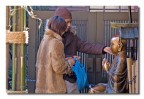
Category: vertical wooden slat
[133,81]
[129,67]
[137,77]
[91,35]
[32,57]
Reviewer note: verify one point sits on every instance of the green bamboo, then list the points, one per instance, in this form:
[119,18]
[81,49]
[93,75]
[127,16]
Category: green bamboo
[22,71]
[7,45]
[22,77]
[24,20]
[14,55]
[14,67]
[25,50]
[7,17]
[18,28]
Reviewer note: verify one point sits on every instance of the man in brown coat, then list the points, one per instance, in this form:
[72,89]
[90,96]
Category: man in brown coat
[72,44]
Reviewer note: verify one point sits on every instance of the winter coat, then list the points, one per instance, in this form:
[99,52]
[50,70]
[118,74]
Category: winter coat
[51,65]
[72,44]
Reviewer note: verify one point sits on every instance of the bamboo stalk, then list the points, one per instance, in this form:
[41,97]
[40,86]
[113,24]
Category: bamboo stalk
[14,67]
[22,80]
[7,64]
[7,17]
[18,25]
[7,45]
[18,63]
[21,50]
[14,55]
[24,50]
[129,66]
[22,72]
[24,20]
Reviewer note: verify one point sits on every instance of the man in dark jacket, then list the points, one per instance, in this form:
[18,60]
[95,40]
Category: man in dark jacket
[72,44]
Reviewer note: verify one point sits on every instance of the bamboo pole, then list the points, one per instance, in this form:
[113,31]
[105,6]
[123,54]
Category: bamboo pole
[18,51]
[7,17]
[22,72]
[24,53]
[7,45]
[18,25]
[24,21]
[14,55]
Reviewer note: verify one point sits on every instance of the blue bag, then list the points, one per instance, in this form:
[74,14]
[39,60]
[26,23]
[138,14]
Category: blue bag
[81,75]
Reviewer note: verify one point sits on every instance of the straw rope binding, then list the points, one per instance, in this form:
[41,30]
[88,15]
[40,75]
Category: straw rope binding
[16,37]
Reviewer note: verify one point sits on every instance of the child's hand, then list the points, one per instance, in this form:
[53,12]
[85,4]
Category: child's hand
[68,58]
[77,57]
[71,61]
[105,65]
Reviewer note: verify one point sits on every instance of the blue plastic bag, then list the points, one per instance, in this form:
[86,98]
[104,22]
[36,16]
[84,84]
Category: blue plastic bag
[81,75]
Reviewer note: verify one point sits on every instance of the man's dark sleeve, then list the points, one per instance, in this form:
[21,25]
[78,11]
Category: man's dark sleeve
[89,48]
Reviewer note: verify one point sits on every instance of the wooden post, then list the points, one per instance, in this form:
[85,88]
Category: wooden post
[129,66]
[133,77]
[137,77]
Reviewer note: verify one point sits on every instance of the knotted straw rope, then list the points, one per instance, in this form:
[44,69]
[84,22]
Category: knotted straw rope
[16,37]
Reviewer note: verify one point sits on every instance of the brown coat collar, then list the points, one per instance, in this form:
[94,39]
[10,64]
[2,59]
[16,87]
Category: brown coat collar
[68,37]
[53,34]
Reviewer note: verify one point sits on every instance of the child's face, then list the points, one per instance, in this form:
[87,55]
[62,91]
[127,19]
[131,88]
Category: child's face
[114,45]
